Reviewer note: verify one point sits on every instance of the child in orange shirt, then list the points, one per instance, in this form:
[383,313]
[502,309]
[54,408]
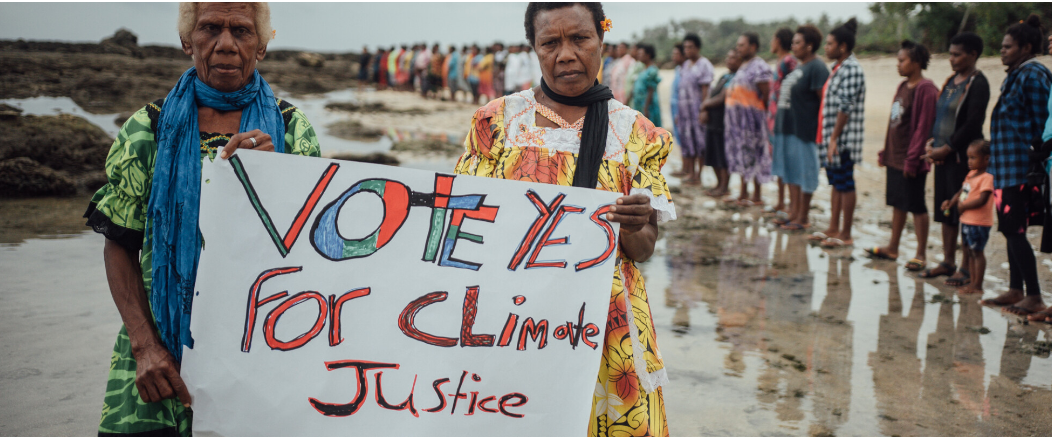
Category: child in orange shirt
[975,205]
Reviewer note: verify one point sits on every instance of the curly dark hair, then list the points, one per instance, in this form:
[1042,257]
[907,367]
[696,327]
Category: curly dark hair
[535,8]
[648,49]
[694,38]
[969,41]
[845,33]
[753,38]
[917,53]
[1029,32]
[812,36]
[784,37]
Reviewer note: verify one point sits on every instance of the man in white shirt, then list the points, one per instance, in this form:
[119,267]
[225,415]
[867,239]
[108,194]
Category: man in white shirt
[535,67]
[513,70]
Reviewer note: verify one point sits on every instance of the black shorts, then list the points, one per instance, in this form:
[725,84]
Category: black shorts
[1017,207]
[906,193]
[715,155]
[949,178]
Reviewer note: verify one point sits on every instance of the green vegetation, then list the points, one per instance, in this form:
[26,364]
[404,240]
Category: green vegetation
[933,24]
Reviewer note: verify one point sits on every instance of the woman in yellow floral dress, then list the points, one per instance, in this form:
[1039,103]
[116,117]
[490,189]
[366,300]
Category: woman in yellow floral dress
[526,137]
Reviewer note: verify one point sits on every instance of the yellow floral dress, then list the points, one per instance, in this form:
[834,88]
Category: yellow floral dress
[505,142]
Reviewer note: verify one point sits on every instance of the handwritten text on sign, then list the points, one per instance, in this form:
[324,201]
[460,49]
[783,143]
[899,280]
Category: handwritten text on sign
[339,298]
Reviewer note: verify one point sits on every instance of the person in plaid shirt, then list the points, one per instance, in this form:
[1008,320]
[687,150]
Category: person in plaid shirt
[1017,122]
[840,132]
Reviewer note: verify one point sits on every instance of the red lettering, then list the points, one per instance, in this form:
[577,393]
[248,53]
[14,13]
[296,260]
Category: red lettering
[272,321]
[253,304]
[467,338]
[509,330]
[503,404]
[347,409]
[545,212]
[441,397]
[546,241]
[533,331]
[482,404]
[336,310]
[406,321]
[611,240]
[408,403]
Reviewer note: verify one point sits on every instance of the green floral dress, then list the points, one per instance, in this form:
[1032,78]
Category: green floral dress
[118,211]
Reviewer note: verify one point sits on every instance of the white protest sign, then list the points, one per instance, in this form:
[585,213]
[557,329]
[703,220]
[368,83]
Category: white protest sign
[339,298]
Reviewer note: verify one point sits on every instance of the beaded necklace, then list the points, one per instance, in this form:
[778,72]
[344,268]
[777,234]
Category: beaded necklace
[550,114]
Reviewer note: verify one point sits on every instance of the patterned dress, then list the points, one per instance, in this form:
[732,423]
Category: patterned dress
[648,81]
[118,210]
[691,132]
[504,142]
[746,123]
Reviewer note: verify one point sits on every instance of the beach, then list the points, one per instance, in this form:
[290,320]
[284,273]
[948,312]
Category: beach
[762,333]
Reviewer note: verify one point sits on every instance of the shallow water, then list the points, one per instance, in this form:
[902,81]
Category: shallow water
[314,105]
[776,337]
[762,334]
[769,337]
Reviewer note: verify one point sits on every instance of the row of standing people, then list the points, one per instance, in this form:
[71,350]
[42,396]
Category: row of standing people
[788,122]
[474,72]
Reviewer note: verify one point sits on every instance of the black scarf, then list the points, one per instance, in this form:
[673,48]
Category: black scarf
[593,136]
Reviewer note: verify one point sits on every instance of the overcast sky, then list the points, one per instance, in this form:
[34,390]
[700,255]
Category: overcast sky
[341,27]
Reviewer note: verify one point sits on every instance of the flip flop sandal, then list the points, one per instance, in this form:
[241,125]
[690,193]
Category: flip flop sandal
[957,282]
[817,236]
[929,274]
[793,226]
[914,265]
[878,253]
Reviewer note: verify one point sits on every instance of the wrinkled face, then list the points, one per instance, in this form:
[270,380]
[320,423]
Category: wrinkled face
[224,45]
[677,57]
[961,60]
[733,61]
[691,50]
[745,50]
[1011,52]
[906,66]
[832,47]
[800,48]
[569,49]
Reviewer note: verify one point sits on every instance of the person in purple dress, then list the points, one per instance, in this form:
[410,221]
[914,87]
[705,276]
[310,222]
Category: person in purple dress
[746,120]
[695,76]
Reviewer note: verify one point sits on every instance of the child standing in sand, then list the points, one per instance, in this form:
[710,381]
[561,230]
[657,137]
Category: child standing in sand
[975,204]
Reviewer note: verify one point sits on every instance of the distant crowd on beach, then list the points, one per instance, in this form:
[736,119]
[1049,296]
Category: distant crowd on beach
[469,73]
[802,115]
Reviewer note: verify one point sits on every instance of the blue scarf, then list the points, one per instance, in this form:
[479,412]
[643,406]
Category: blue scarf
[176,192]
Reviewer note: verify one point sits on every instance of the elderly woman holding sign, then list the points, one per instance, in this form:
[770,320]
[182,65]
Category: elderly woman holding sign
[608,146]
[148,211]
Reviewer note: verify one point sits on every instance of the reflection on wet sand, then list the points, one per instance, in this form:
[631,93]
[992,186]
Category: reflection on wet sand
[753,311]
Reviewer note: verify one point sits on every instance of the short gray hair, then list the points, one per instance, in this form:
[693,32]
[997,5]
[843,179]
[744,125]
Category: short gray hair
[188,18]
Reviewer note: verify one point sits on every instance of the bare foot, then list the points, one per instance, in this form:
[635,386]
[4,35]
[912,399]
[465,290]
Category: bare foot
[1006,299]
[1044,316]
[717,192]
[1029,305]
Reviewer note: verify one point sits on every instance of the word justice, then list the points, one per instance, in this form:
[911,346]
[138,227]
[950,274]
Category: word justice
[481,403]
[331,309]
[439,245]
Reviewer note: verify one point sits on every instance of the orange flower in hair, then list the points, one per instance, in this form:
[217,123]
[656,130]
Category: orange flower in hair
[274,33]
[607,25]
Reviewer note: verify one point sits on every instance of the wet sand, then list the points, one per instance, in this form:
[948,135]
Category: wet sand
[762,333]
